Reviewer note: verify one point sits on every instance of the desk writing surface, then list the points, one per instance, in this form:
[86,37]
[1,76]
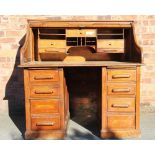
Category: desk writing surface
[76,64]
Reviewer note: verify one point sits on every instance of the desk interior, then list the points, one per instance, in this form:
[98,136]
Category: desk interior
[84,86]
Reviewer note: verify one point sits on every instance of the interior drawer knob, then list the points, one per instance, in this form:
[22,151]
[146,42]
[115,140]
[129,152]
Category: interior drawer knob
[45,124]
[121,76]
[117,90]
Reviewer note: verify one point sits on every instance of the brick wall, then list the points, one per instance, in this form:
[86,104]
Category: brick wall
[12,30]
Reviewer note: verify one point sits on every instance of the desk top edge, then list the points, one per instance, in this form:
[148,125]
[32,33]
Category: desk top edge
[78,64]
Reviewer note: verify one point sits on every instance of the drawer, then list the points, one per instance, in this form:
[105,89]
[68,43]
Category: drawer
[121,122]
[44,91]
[45,43]
[88,33]
[110,45]
[48,106]
[52,50]
[121,89]
[44,75]
[124,104]
[121,75]
[45,123]
[81,33]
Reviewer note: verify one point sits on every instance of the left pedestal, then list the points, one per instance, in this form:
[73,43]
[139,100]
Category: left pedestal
[46,103]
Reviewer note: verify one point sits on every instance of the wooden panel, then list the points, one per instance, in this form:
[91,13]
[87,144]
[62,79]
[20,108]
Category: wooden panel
[53,50]
[45,43]
[121,75]
[110,50]
[138,99]
[45,123]
[80,24]
[121,121]
[110,43]
[104,100]
[121,89]
[44,91]
[45,106]
[116,104]
[44,75]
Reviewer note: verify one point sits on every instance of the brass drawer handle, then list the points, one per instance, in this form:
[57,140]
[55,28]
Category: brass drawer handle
[121,76]
[43,77]
[120,105]
[117,90]
[45,124]
[43,92]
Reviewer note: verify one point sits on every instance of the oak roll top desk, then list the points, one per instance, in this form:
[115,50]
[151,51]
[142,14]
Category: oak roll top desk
[71,63]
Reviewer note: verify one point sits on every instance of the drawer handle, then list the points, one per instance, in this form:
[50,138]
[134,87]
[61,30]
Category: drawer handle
[120,105]
[52,44]
[45,124]
[120,76]
[43,92]
[109,44]
[117,90]
[43,77]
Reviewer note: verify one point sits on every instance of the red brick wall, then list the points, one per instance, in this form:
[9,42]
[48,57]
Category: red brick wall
[12,30]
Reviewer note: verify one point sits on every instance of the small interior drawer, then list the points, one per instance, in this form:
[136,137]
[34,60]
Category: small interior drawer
[44,91]
[121,104]
[121,122]
[45,123]
[44,75]
[48,106]
[110,43]
[121,75]
[121,89]
[81,33]
[44,43]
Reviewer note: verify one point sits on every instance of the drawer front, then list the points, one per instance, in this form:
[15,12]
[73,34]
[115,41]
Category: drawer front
[44,91]
[44,75]
[45,123]
[121,89]
[116,104]
[110,43]
[52,43]
[45,106]
[81,33]
[72,33]
[121,75]
[88,33]
[121,122]
[52,50]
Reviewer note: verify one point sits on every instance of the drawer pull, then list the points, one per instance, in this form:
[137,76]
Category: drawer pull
[45,124]
[43,77]
[117,90]
[120,76]
[120,105]
[43,92]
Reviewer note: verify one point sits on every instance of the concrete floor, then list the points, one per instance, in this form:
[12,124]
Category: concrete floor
[13,131]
